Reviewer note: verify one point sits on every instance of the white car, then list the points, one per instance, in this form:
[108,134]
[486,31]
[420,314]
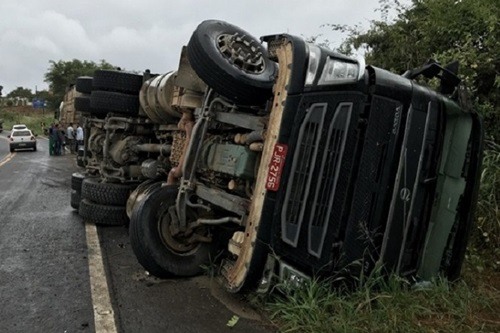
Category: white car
[22,139]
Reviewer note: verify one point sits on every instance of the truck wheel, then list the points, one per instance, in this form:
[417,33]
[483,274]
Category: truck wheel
[75,199]
[117,81]
[156,248]
[102,193]
[102,214]
[232,62]
[82,103]
[80,162]
[109,101]
[84,84]
[140,190]
[76,181]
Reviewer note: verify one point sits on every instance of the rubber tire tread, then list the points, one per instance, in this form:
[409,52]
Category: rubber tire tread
[109,101]
[147,245]
[82,104]
[84,84]
[117,81]
[219,74]
[75,199]
[76,181]
[142,189]
[106,193]
[102,214]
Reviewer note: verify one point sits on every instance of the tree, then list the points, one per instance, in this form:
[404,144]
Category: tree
[21,92]
[445,30]
[62,74]
[43,94]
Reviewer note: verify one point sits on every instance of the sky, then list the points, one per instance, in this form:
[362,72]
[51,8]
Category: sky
[146,34]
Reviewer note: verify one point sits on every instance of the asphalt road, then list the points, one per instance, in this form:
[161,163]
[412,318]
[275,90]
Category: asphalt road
[45,280]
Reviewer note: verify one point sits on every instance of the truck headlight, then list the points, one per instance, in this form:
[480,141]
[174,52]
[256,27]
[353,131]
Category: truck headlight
[339,71]
[312,67]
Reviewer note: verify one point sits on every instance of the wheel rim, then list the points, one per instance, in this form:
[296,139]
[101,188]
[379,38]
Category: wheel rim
[181,243]
[242,52]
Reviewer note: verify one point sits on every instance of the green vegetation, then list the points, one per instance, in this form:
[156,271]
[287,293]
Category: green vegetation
[25,115]
[21,92]
[445,30]
[486,237]
[62,73]
[387,305]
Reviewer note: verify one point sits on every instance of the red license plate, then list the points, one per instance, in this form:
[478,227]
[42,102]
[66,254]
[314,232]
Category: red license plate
[276,167]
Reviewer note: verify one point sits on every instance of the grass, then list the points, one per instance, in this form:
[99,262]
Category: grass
[25,115]
[388,305]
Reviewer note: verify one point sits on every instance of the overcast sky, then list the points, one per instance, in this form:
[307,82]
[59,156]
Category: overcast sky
[145,34]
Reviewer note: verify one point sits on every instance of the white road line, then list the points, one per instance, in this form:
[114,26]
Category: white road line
[104,318]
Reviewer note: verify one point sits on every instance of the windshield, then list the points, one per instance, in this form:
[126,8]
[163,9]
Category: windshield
[21,133]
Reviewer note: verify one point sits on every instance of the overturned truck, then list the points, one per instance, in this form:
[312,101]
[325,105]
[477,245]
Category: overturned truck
[281,158]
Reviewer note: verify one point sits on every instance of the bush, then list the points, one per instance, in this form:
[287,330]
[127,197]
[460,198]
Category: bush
[487,234]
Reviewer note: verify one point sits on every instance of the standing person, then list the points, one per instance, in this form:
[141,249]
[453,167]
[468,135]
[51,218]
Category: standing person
[56,139]
[70,138]
[51,139]
[62,140]
[79,136]
[42,127]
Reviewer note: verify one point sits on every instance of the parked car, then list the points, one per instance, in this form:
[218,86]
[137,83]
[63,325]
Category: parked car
[22,139]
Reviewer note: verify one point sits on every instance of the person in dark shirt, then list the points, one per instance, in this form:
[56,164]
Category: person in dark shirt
[51,140]
[56,139]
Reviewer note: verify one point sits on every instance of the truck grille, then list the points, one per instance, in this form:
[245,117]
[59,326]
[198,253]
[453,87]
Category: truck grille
[314,174]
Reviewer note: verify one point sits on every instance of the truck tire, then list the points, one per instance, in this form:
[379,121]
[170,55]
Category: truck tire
[75,199]
[102,193]
[76,181]
[102,214]
[82,103]
[84,84]
[117,81]
[80,162]
[148,242]
[109,101]
[140,190]
[216,51]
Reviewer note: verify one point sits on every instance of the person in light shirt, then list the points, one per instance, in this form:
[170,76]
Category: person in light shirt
[70,137]
[79,136]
